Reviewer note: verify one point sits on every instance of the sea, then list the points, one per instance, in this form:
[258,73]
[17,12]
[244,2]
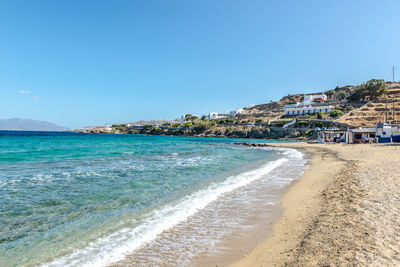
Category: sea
[74,199]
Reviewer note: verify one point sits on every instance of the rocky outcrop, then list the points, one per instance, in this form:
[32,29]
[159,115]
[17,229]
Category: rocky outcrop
[234,132]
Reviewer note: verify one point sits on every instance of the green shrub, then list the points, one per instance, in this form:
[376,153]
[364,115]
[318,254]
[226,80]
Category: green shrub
[330,93]
[318,124]
[259,121]
[336,113]
[302,123]
[119,125]
[188,124]
[176,125]
[309,132]
[199,128]
[133,131]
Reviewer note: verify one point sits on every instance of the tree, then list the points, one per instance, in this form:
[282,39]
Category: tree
[259,121]
[342,96]
[336,113]
[371,89]
[190,117]
[330,93]
[318,115]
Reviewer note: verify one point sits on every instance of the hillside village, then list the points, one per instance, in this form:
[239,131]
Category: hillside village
[299,116]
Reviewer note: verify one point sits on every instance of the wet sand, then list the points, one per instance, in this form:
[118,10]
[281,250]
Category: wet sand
[344,211]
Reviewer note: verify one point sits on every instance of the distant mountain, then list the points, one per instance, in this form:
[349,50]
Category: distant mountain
[17,124]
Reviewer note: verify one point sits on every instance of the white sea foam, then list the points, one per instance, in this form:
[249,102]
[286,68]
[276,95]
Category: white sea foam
[116,246]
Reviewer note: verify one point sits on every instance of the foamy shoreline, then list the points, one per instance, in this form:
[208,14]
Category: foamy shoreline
[343,211]
[232,244]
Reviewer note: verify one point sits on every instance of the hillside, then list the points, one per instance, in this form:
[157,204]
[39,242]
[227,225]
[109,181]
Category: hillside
[274,110]
[17,124]
[374,111]
[269,121]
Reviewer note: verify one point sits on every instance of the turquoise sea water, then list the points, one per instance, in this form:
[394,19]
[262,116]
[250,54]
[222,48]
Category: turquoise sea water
[91,199]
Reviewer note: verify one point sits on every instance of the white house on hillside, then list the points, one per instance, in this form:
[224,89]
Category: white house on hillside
[216,115]
[236,112]
[310,105]
[312,99]
[302,110]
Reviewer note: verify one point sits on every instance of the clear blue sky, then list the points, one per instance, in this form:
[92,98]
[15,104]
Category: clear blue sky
[79,63]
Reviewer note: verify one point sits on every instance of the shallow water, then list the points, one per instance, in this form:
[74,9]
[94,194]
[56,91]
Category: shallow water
[92,199]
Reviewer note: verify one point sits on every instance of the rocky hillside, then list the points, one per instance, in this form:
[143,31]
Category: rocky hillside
[268,120]
[239,131]
[274,110]
[374,111]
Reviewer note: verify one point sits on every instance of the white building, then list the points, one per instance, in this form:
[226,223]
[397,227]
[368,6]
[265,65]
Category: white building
[216,115]
[312,99]
[310,105]
[236,112]
[387,132]
[302,110]
[182,119]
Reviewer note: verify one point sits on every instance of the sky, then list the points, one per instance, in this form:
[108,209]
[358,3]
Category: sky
[80,62]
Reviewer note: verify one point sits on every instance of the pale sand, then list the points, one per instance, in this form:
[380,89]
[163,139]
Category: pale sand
[344,211]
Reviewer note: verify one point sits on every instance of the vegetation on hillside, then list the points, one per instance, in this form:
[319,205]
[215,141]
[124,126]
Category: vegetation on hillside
[267,120]
[339,93]
[369,90]
[190,117]
[336,113]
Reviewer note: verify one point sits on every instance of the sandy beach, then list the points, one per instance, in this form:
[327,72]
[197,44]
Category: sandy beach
[344,211]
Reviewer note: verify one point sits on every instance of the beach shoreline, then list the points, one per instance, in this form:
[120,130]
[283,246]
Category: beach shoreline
[252,207]
[343,211]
